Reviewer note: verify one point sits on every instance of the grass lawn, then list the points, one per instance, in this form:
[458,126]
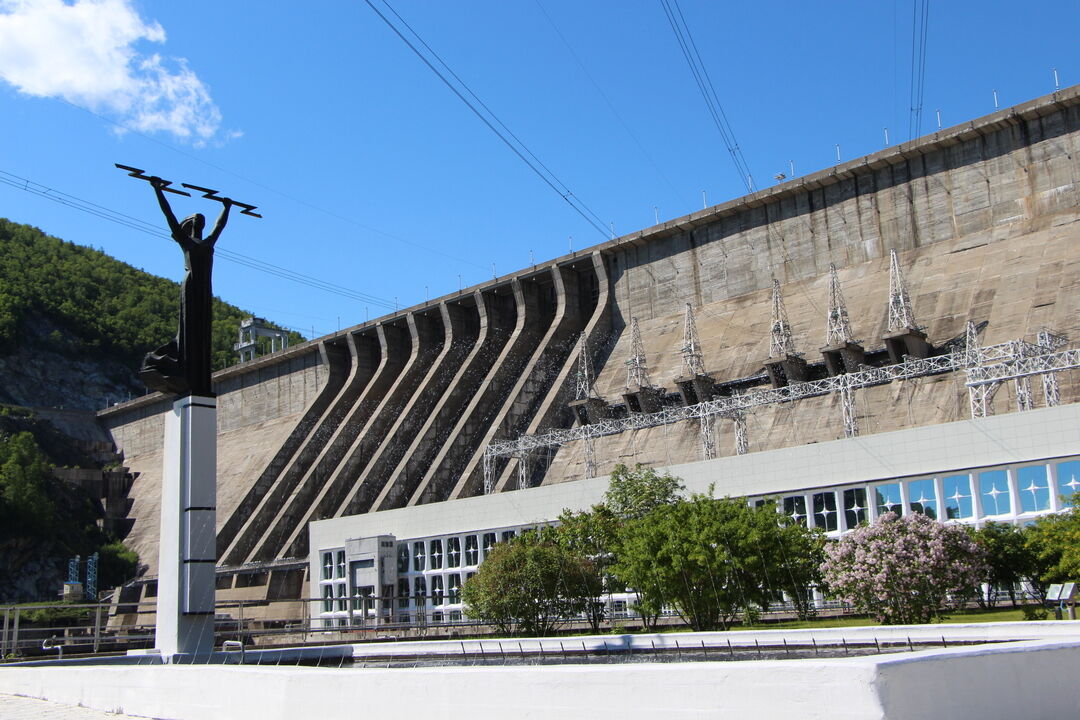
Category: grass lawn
[1006,614]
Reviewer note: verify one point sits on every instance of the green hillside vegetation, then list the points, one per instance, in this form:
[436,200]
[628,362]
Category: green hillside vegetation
[102,307]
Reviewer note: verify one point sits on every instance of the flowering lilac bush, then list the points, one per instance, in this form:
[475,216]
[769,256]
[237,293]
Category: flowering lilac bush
[901,570]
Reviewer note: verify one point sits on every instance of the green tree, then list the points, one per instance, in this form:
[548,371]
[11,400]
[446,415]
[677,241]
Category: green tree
[25,506]
[592,535]
[635,492]
[1010,560]
[117,563]
[1054,541]
[710,559]
[530,585]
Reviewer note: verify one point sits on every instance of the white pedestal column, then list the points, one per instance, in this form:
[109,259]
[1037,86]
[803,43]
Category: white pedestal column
[188,548]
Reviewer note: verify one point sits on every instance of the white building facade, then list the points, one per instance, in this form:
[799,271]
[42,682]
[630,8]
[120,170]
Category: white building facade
[1011,468]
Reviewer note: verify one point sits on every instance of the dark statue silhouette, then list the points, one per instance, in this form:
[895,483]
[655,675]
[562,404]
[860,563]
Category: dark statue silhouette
[182,365]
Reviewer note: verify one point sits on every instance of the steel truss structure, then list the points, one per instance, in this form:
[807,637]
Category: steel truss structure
[987,368]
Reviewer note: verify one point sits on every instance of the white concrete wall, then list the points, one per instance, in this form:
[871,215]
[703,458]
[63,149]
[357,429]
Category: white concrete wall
[1024,679]
[1016,437]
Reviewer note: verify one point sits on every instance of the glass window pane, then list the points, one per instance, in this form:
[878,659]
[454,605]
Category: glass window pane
[957,499]
[472,552]
[887,499]
[420,591]
[825,510]
[795,507]
[994,492]
[403,592]
[418,556]
[922,498]
[436,554]
[1068,480]
[403,557]
[454,587]
[340,563]
[453,552]
[1034,487]
[854,507]
[327,565]
[328,597]
[436,590]
[489,542]
[508,535]
[342,603]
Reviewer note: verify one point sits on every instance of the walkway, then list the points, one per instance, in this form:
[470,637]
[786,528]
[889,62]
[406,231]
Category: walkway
[13,707]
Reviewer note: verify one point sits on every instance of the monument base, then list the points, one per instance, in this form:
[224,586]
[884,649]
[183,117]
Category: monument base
[188,549]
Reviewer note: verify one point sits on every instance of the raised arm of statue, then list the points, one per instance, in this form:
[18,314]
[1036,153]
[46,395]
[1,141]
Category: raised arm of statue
[174,226]
[222,219]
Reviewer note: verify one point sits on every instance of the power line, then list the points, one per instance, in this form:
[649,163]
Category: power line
[919,23]
[305,203]
[490,119]
[607,100]
[708,90]
[133,223]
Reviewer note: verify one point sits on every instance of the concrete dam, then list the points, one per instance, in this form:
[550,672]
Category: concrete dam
[398,411]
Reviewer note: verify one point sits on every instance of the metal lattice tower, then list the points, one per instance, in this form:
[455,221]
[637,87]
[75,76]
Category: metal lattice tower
[637,370]
[691,350]
[590,457]
[708,437]
[780,340]
[980,397]
[523,470]
[838,328]
[91,577]
[901,315]
[847,401]
[586,385]
[489,474]
[741,445]
[1050,342]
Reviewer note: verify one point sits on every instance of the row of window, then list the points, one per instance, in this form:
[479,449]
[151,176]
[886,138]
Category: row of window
[451,552]
[417,592]
[996,493]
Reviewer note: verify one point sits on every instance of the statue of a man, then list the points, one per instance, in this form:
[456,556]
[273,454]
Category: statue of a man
[182,365]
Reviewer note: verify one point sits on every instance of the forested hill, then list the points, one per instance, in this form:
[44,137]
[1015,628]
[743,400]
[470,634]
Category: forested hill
[75,322]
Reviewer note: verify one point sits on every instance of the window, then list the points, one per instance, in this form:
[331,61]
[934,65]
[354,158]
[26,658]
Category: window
[922,498]
[340,564]
[454,586]
[328,597]
[342,600]
[489,542]
[887,499]
[403,592]
[795,507]
[436,617]
[436,590]
[403,557]
[1034,487]
[825,510]
[854,507]
[418,556]
[1068,480]
[361,598]
[508,535]
[453,552]
[420,591]
[436,554]
[957,496]
[994,492]
[327,565]
[472,552]
[455,616]
[364,563]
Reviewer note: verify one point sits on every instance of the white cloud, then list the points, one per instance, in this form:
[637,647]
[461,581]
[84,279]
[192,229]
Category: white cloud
[84,52]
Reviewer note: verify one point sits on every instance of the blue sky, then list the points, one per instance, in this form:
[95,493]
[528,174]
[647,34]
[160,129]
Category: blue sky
[373,176]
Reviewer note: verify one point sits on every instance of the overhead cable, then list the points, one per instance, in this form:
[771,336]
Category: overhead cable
[484,113]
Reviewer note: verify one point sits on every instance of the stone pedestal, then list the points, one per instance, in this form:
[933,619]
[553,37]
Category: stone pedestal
[843,358]
[590,410]
[906,342]
[643,399]
[694,389]
[188,550]
[785,370]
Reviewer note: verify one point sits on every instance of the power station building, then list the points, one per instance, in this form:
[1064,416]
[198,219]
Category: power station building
[892,333]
